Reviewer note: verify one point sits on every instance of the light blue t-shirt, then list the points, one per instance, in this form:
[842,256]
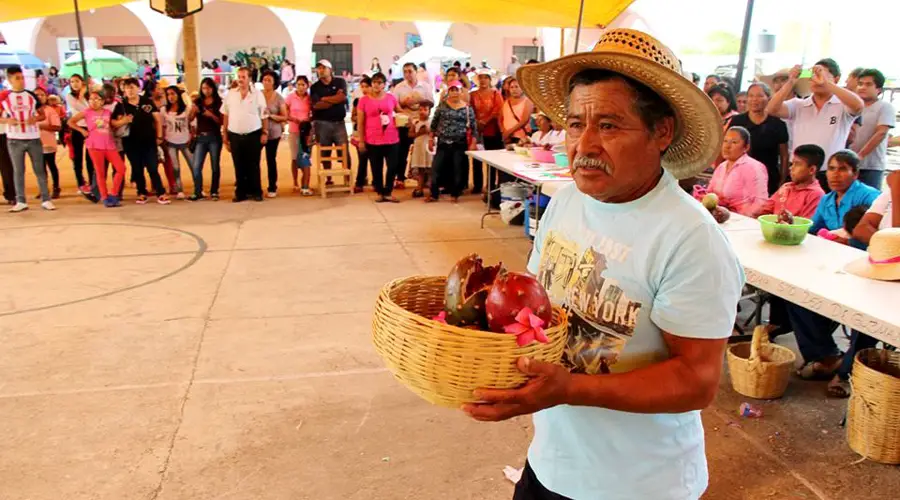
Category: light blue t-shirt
[625,272]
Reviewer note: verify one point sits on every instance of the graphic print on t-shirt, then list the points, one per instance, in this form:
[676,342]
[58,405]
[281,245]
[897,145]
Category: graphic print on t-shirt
[602,318]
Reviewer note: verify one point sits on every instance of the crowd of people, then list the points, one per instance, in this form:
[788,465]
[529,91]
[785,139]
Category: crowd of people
[838,136]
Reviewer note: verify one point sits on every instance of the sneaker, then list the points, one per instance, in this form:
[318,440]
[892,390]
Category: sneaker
[10,202]
[272,194]
[141,200]
[18,207]
[48,205]
[91,198]
[195,197]
[306,192]
[56,193]
[85,190]
[257,198]
[214,197]
[358,189]
[163,200]
[115,201]
[180,195]
[399,185]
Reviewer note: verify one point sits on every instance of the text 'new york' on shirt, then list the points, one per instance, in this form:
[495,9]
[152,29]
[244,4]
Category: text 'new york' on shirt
[625,273]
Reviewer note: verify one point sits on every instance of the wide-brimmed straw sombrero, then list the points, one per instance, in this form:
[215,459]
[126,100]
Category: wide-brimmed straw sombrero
[883,261]
[802,87]
[637,55]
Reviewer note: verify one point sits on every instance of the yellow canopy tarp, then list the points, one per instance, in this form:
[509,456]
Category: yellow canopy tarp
[553,13]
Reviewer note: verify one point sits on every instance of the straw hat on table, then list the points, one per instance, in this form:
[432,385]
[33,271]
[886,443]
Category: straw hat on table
[883,261]
[637,55]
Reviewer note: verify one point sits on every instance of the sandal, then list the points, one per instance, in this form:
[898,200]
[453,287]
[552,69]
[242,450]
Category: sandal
[431,200]
[838,388]
[820,370]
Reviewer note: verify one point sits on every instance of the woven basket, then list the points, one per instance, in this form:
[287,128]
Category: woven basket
[873,416]
[441,363]
[759,369]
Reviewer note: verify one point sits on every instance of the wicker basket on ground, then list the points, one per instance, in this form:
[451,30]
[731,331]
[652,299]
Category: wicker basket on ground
[873,416]
[444,364]
[760,369]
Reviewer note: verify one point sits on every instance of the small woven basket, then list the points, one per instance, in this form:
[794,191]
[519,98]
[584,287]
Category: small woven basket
[760,369]
[441,363]
[873,415]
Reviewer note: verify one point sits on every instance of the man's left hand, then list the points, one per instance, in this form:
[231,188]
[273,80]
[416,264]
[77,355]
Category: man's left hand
[548,387]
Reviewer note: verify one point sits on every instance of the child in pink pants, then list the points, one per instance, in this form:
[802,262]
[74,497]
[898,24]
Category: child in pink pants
[101,145]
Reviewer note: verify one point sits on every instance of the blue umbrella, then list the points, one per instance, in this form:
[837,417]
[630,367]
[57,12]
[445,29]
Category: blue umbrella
[12,57]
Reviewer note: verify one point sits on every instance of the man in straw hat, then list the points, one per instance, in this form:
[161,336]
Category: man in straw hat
[649,280]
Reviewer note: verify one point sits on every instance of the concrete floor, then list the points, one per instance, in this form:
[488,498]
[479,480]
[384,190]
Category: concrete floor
[221,351]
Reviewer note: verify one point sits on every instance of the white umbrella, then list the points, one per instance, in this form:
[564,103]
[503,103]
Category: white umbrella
[425,53]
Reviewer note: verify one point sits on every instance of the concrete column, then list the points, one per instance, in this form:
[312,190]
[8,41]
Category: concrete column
[22,34]
[191,53]
[302,27]
[164,31]
[552,39]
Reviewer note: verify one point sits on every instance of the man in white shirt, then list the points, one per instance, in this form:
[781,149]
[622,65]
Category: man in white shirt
[409,93]
[648,279]
[878,118]
[245,125]
[825,117]
[884,212]
[21,112]
[513,66]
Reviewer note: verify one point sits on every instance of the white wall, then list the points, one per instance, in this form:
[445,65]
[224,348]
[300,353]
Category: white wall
[491,42]
[381,39]
[226,27]
[110,26]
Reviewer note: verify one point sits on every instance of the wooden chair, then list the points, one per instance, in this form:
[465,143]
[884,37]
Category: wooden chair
[337,154]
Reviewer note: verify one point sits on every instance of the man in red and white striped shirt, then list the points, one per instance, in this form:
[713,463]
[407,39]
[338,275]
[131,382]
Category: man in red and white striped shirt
[21,111]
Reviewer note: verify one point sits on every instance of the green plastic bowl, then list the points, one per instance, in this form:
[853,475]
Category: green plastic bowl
[561,159]
[784,234]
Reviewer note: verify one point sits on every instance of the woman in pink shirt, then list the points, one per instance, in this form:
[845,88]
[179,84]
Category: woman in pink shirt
[299,108]
[101,145]
[740,181]
[378,136]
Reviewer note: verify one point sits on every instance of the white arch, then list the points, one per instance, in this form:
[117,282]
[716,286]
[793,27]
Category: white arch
[301,26]
[22,34]
[163,30]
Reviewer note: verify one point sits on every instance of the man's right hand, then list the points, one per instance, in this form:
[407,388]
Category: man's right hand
[794,74]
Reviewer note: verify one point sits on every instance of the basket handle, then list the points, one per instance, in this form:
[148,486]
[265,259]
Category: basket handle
[759,339]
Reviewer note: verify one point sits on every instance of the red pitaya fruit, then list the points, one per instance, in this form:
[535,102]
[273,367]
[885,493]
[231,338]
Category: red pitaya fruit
[511,293]
[467,288]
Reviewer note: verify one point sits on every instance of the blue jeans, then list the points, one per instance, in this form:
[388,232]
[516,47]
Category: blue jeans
[176,163]
[207,144]
[813,333]
[871,177]
[18,148]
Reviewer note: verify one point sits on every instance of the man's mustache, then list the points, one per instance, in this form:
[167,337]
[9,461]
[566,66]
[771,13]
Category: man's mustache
[587,162]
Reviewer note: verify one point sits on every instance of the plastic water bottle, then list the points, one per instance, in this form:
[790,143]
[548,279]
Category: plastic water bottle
[749,411]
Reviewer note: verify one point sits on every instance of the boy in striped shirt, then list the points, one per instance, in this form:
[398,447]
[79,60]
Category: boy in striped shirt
[21,111]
